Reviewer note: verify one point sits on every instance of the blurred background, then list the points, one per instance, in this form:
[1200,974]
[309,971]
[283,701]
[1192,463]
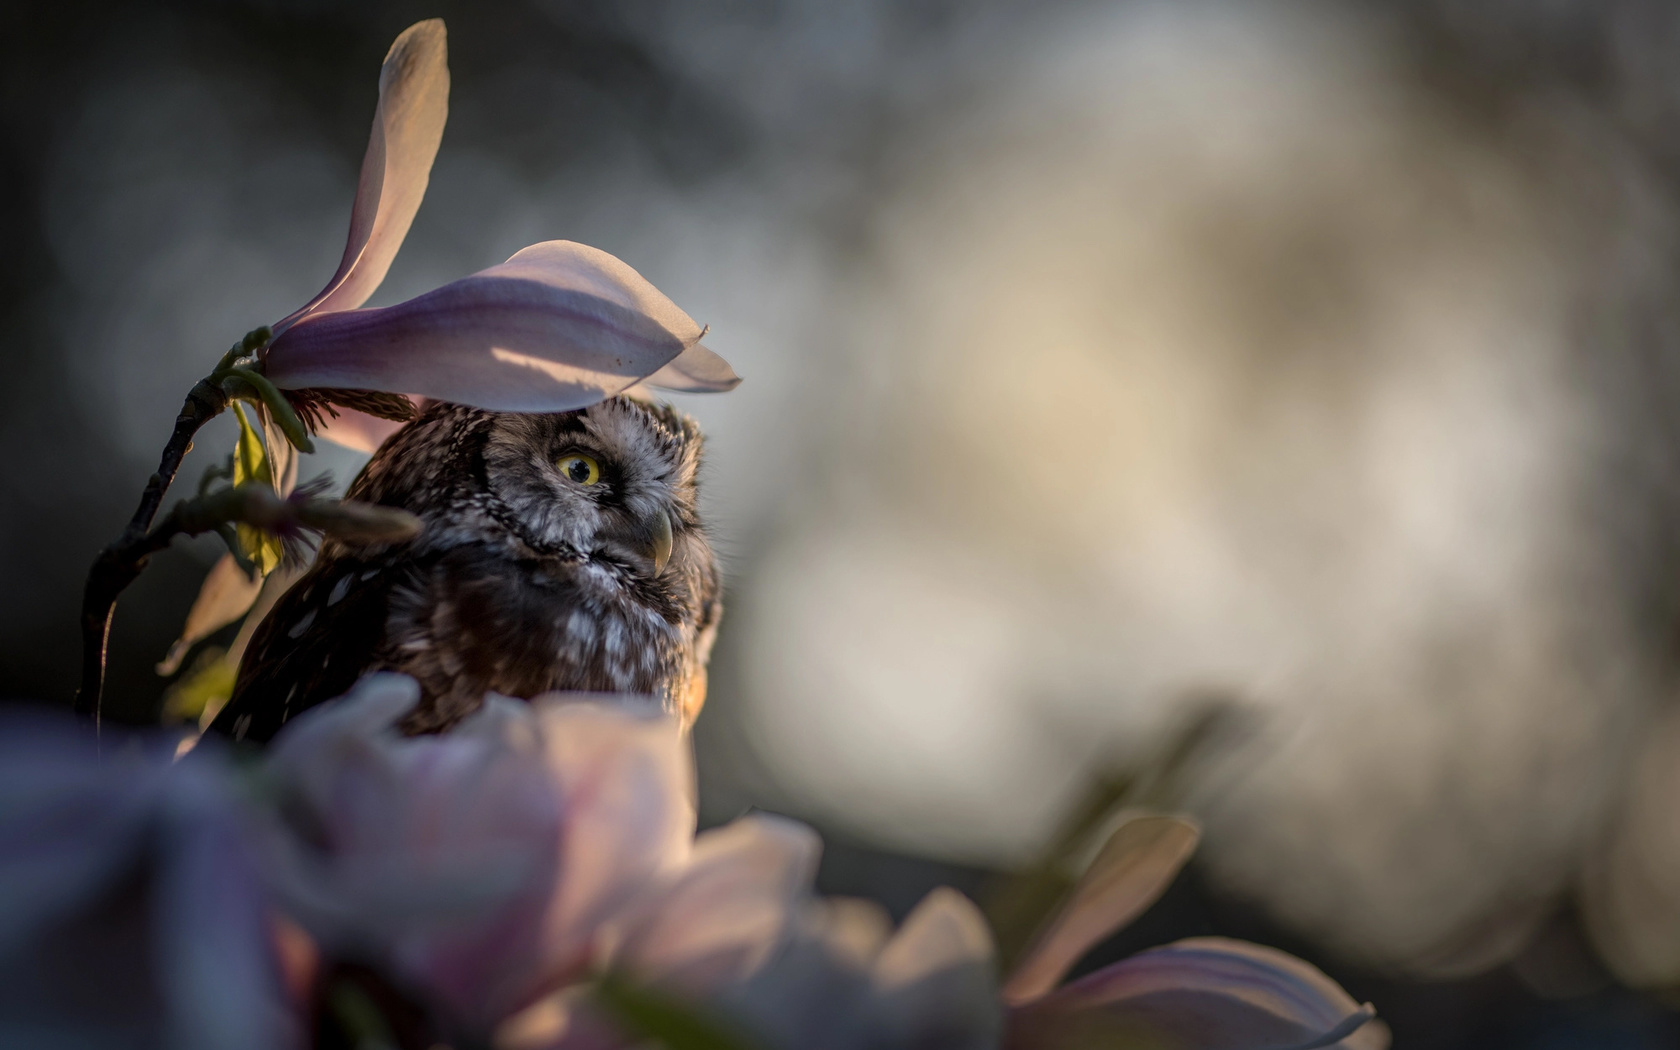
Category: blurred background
[1309,367]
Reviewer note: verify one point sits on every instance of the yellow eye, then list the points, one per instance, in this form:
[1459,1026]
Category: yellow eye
[580,468]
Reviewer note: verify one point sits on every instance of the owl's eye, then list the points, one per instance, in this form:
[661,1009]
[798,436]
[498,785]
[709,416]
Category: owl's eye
[580,468]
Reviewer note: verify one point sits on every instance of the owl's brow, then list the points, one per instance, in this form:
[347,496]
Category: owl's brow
[572,433]
[566,423]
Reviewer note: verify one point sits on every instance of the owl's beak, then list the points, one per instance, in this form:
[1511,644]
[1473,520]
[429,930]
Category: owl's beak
[647,539]
[659,540]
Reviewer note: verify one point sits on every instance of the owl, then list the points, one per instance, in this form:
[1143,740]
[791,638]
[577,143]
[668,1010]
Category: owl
[560,551]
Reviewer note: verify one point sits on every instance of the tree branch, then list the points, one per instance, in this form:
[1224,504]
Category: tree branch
[120,563]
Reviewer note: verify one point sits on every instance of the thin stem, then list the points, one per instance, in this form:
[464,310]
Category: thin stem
[120,563]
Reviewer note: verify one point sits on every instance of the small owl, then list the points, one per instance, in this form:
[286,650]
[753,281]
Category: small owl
[560,551]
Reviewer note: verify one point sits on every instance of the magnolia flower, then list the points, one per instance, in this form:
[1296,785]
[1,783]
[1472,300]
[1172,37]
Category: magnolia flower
[845,979]
[532,880]
[832,974]
[1206,993]
[493,871]
[130,910]
[736,932]
[558,326]
[477,869]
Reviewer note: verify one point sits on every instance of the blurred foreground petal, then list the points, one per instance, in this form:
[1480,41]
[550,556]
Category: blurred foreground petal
[934,979]
[1207,993]
[839,982]
[728,910]
[559,326]
[1134,867]
[130,909]
[631,775]
[480,865]
[407,127]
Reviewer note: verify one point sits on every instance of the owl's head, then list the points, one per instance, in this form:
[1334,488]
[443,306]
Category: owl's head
[614,482]
[612,487]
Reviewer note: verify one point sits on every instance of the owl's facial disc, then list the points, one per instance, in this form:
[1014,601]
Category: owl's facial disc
[614,483]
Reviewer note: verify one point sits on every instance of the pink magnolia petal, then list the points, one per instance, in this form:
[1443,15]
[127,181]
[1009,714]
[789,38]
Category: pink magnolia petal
[852,929]
[486,865]
[358,431]
[559,326]
[435,854]
[627,777]
[696,371]
[1137,863]
[1206,993]
[407,127]
[729,909]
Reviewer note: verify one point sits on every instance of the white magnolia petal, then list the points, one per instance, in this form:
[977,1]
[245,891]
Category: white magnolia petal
[696,371]
[1134,867]
[729,909]
[407,127]
[934,979]
[226,594]
[1206,993]
[944,930]
[559,326]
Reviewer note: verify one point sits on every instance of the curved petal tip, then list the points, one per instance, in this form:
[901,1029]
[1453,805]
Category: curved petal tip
[1140,859]
[407,128]
[696,371]
[1207,993]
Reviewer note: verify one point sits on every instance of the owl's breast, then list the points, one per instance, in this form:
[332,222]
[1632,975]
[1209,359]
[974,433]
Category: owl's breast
[603,633]
[478,620]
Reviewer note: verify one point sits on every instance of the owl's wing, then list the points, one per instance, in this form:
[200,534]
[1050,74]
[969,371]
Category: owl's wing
[319,638]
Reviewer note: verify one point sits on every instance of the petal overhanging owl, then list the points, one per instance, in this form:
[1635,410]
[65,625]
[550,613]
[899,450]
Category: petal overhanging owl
[561,551]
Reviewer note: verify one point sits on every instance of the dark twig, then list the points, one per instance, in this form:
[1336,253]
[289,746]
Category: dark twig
[253,503]
[120,563]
